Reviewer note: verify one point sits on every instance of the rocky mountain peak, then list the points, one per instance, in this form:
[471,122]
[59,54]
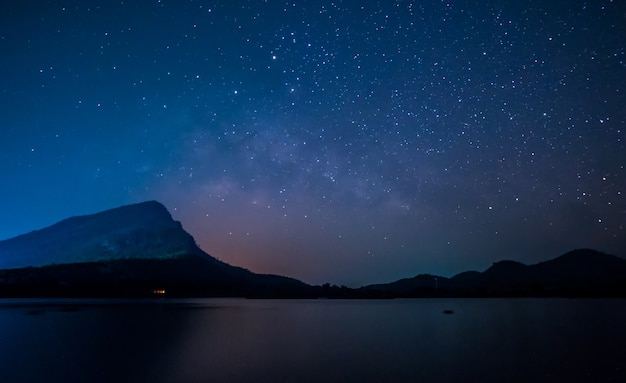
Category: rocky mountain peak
[141,231]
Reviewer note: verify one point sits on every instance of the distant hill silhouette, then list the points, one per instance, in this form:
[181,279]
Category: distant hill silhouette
[581,272]
[133,250]
[139,250]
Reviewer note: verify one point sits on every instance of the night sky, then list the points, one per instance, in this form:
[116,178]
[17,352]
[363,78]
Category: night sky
[349,142]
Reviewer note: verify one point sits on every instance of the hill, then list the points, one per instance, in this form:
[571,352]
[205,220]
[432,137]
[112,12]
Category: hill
[579,273]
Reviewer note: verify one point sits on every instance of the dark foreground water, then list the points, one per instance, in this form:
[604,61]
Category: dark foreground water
[236,340]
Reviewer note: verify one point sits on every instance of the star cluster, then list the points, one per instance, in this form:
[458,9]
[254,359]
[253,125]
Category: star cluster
[350,142]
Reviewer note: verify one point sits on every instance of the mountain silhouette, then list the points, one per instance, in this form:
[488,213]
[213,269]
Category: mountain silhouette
[581,272]
[141,231]
[139,250]
[132,250]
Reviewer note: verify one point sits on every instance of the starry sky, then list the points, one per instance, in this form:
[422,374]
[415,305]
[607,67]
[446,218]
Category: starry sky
[349,142]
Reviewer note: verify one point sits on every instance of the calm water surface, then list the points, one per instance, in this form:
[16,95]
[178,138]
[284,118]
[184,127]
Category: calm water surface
[237,340]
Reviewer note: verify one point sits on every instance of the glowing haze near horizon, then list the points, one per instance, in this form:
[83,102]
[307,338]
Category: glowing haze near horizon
[349,142]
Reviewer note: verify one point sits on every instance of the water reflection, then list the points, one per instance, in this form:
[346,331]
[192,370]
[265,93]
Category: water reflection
[230,340]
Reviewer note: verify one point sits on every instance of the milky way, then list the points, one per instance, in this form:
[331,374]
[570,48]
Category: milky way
[349,142]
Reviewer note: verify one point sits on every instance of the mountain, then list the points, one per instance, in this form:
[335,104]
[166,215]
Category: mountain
[132,250]
[141,231]
[581,272]
[139,250]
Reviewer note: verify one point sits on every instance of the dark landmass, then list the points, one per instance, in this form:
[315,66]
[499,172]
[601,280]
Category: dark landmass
[578,273]
[132,251]
[139,250]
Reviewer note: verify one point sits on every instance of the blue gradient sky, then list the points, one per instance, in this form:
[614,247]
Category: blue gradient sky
[345,142]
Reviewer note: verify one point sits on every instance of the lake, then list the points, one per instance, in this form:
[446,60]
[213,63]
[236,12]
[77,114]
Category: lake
[239,340]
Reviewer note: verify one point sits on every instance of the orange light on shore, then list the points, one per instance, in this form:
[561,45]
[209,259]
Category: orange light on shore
[158,292]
